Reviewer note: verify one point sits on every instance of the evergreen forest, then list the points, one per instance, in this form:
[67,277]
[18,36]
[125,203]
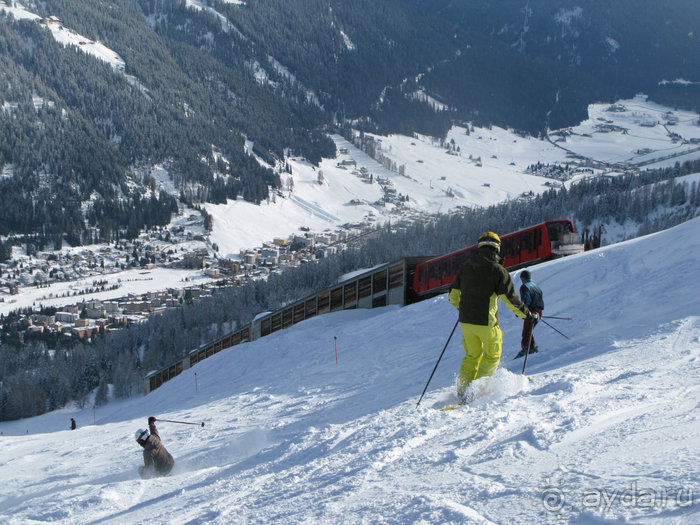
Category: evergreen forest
[221,92]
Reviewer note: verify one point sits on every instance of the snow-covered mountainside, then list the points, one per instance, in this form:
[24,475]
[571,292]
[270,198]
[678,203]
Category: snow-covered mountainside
[481,168]
[66,37]
[474,168]
[607,428]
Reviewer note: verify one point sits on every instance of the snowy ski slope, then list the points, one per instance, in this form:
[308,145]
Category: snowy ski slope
[607,429]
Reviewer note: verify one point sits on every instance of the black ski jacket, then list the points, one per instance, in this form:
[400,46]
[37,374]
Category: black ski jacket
[479,283]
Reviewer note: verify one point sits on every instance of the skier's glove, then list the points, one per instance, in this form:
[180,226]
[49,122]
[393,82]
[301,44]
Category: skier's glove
[533,317]
[151,420]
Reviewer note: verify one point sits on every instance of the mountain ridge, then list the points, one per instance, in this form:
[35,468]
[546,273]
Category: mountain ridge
[201,78]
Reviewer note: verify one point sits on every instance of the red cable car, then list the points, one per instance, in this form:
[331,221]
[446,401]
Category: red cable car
[522,248]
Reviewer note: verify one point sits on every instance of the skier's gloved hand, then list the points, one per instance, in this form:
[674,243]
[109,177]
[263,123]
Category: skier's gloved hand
[533,317]
[152,420]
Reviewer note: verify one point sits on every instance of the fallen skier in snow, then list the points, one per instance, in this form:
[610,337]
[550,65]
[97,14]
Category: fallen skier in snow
[157,460]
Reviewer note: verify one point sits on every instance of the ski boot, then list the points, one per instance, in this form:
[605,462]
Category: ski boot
[523,351]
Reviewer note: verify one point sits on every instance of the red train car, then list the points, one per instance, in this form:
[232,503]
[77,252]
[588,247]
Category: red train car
[522,248]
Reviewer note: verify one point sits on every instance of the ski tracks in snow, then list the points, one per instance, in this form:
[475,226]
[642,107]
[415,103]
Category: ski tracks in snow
[550,444]
[292,436]
[314,209]
[529,450]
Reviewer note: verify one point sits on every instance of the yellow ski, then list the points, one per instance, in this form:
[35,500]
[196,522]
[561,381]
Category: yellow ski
[452,407]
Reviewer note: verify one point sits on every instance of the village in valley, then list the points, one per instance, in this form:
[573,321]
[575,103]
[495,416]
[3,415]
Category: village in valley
[377,182]
[81,292]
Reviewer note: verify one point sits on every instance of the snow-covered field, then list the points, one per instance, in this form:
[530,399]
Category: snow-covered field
[643,135]
[487,166]
[606,430]
[433,181]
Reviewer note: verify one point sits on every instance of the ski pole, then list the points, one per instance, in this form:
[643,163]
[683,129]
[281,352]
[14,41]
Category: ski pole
[529,343]
[180,422]
[553,317]
[557,331]
[438,362]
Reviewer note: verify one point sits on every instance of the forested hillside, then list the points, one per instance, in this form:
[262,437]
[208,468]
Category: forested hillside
[209,89]
[546,58]
[76,130]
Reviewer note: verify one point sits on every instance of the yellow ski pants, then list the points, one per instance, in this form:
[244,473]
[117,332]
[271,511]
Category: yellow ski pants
[482,346]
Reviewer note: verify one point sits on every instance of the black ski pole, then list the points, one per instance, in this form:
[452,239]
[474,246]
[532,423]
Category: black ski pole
[180,422]
[553,317]
[529,343]
[438,362]
[557,331]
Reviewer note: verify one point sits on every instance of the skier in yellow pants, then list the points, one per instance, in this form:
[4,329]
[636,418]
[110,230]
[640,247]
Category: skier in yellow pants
[480,282]
[482,346]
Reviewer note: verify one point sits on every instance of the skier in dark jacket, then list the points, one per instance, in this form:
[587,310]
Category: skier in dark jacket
[531,295]
[157,460]
[479,283]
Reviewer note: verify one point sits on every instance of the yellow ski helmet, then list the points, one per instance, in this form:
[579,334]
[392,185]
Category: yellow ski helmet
[490,239]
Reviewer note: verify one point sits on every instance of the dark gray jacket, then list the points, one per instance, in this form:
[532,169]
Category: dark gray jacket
[155,455]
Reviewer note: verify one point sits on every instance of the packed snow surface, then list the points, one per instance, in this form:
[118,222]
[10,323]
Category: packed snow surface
[605,431]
